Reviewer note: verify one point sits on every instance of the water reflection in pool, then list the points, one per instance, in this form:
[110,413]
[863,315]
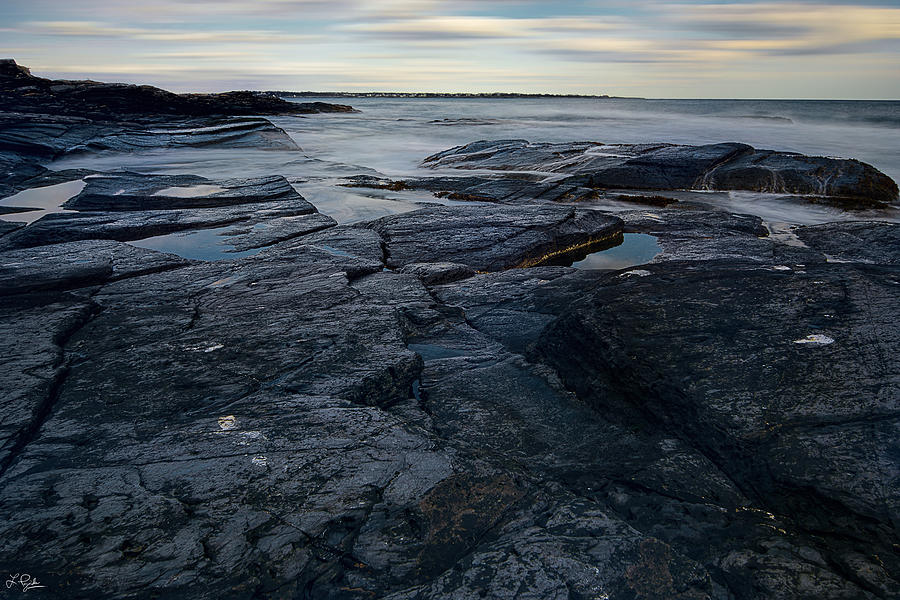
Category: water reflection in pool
[41,201]
[635,249]
[198,244]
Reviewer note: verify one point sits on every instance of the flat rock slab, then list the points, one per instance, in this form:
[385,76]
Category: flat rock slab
[777,377]
[493,238]
[866,242]
[131,206]
[514,306]
[135,225]
[727,166]
[275,449]
[134,191]
[438,272]
[8,227]
[693,234]
[29,138]
[237,132]
[72,265]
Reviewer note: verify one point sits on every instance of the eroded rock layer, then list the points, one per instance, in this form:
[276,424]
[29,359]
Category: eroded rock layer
[727,166]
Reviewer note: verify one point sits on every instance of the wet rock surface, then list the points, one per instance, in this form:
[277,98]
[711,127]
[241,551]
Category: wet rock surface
[729,166]
[43,119]
[493,238]
[131,206]
[796,386]
[423,405]
[134,191]
[865,242]
[29,139]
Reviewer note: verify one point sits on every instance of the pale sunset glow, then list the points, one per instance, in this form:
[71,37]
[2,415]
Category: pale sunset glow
[720,49]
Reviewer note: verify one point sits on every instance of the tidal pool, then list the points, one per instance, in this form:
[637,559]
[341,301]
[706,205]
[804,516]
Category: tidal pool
[635,249]
[197,244]
[42,201]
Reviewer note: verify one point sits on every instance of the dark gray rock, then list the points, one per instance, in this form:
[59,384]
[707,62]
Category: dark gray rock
[202,459]
[39,315]
[59,267]
[569,550]
[124,226]
[34,330]
[489,238]
[439,272]
[696,234]
[776,377]
[865,242]
[27,139]
[133,191]
[729,166]
[514,306]
[272,229]
[21,91]
[237,132]
[306,470]
[8,227]
[305,423]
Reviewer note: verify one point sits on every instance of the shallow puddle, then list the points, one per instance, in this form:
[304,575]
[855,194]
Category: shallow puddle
[194,191]
[635,249]
[43,201]
[198,244]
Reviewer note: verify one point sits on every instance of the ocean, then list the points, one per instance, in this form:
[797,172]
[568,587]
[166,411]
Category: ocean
[391,136]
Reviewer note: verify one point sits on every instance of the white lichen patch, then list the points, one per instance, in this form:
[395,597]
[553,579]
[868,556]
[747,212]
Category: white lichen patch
[636,273]
[207,347]
[228,423]
[781,268]
[247,436]
[260,461]
[815,339]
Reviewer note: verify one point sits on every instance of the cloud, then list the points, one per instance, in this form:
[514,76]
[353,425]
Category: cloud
[475,42]
[105,30]
[709,33]
[448,27]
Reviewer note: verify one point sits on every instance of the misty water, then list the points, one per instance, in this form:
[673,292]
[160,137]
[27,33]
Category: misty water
[391,136]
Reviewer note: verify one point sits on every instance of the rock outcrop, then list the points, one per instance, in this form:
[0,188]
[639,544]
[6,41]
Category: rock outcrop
[21,91]
[776,376]
[495,238]
[727,166]
[130,206]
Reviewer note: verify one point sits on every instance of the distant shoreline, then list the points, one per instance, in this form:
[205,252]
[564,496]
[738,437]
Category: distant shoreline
[432,95]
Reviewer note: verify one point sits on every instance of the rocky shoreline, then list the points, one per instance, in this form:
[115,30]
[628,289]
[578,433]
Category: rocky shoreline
[434,404]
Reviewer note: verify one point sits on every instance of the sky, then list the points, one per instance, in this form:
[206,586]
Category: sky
[687,49]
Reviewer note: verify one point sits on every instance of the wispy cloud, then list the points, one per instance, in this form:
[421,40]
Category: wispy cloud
[105,30]
[627,47]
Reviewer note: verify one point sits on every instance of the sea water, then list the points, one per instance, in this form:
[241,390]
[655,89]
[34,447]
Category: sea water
[391,136]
